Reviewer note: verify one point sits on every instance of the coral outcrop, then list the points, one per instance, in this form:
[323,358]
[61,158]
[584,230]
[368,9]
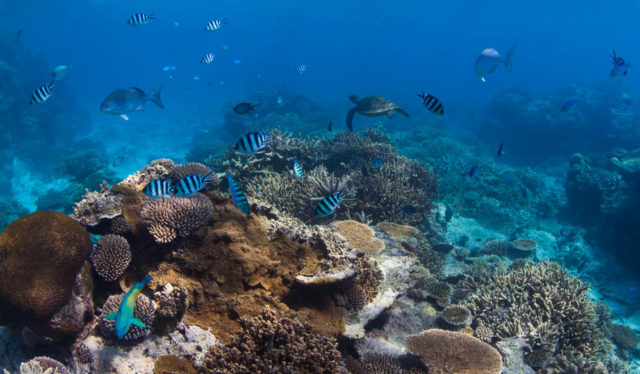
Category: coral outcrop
[360,236]
[110,257]
[456,315]
[623,337]
[43,365]
[167,219]
[399,232]
[144,310]
[97,206]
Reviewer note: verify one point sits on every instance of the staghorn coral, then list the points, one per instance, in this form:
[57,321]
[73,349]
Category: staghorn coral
[456,315]
[541,302]
[398,231]
[623,337]
[574,364]
[380,363]
[167,219]
[97,206]
[272,342]
[110,257]
[448,352]
[360,236]
[144,310]
[43,365]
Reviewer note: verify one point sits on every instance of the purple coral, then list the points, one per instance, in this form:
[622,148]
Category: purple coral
[111,256]
[167,219]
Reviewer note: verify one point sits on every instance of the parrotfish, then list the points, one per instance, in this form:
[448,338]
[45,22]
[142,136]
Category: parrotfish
[489,59]
[123,318]
[127,100]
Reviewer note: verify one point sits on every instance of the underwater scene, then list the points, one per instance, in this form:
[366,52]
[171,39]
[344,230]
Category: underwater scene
[361,186]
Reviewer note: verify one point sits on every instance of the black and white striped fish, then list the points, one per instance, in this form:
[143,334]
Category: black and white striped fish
[189,185]
[432,103]
[301,68]
[208,58]
[215,24]
[297,169]
[252,142]
[42,94]
[159,188]
[140,19]
[238,196]
[329,204]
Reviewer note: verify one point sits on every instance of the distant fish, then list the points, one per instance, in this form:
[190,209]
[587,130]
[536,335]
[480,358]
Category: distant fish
[237,61]
[124,317]
[19,32]
[225,47]
[280,100]
[500,150]
[620,67]
[189,185]
[159,188]
[448,212]
[377,162]
[568,105]
[117,161]
[300,68]
[196,78]
[215,24]
[60,71]
[238,196]
[42,94]
[168,67]
[473,173]
[330,127]
[244,108]
[489,59]
[127,100]
[140,19]
[207,59]
[329,204]
[297,169]
[252,142]
[432,103]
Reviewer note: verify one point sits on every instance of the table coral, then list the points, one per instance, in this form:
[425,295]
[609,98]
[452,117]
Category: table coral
[398,231]
[111,256]
[167,219]
[360,236]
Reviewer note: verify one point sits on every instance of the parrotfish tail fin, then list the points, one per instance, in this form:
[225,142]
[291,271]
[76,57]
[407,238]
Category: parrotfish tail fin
[136,322]
[155,97]
[143,282]
[354,99]
[509,56]
[110,316]
[401,111]
[350,119]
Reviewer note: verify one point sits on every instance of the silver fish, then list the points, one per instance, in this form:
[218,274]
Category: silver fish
[127,100]
[60,71]
[489,59]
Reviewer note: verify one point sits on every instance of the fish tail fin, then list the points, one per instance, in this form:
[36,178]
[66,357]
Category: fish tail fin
[155,97]
[206,178]
[509,56]
[110,316]
[421,95]
[52,83]
[350,115]
[137,322]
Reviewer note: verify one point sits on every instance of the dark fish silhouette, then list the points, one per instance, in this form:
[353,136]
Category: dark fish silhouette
[244,108]
[432,103]
[330,126]
[568,105]
[474,172]
[501,149]
[19,33]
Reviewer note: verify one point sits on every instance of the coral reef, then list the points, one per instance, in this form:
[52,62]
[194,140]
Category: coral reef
[360,236]
[456,315]
[97,206]
[110,257]
[144,310]
[43,365]
[167,219]
[398,231]
[447,352]
[623,337]
[271,342]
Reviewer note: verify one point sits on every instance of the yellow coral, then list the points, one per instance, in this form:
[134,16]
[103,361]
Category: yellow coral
[398,231]
[360,236]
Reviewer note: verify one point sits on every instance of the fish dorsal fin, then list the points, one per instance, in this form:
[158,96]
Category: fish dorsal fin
[137,90]
[354,99]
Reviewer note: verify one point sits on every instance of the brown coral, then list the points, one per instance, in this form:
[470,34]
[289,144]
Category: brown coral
[111,256]
[398,231]
[273,343]
[360,236]
[144,310]
[119,226]
[97,206]
[456,315]
[448,352]
[167,219]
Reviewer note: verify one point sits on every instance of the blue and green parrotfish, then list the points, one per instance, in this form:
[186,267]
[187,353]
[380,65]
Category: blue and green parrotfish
[124,318]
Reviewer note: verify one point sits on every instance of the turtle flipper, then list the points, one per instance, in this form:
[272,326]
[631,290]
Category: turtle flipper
[350,115]
[401,111]
[354,99]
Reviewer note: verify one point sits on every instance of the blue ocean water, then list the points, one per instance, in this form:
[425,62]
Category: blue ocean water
[353,47]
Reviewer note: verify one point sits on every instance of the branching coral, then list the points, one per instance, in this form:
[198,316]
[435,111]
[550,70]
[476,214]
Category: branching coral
[360,236]
[167,219]
[43,365]
[111,256]
[448,352]
[274,343]
[144,310]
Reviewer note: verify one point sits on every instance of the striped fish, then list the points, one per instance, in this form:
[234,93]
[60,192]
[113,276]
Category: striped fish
[191,184]
[252,142]
[215,24]
[239,198]
[139,19]
[297,169]
[41,94]
[159,188]
[207,59]
[301,68]
[328,205]
[432,103]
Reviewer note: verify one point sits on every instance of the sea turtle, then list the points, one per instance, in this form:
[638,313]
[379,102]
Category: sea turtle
[372,106]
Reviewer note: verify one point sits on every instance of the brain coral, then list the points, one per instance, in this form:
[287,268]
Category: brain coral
[360,236]
[145,310]
[456,315]
[448,352]
[166,219]
[111,256]
[271,343]
[40,256]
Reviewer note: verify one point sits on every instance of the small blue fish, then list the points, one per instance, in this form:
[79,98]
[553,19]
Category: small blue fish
[500,150]
[237,61]
[300,68]
[329,204]
[191,184]
[620,66]
[474,172]
[123,318]
[297,169]
[207,59]
[239,198]
[252,142]
[568,105]
[376,162]
[159,188]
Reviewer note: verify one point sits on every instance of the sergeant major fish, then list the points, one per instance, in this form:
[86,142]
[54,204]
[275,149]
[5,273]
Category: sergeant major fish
[489,59]
[139,19]
[300,68]
[432,103]
[127,100]
[620,67]
[207,59]
[124,317]
[252,142]
[159,188]
[329,204]
[238,196]
[297,169]
[42,93]
[215,24]
[191,184]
